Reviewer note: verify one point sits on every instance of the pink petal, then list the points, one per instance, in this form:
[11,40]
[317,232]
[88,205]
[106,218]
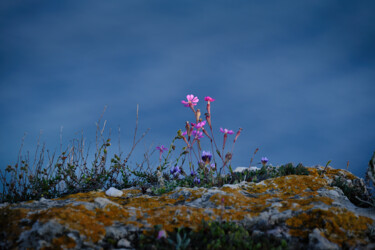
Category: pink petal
[207,98]
[221,130]
[230,132]
[189,97]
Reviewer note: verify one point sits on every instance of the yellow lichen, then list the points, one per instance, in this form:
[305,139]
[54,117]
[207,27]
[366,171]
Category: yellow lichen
[334,223]
[10,220]
[293,192]
[63,242]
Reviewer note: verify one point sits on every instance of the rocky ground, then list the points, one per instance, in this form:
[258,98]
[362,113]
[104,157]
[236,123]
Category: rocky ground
[304,210]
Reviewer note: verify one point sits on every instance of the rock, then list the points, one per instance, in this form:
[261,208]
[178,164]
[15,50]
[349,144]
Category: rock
[304,210]
[241,169]
[113,192]
[103,202]
[124,243]
[318,241]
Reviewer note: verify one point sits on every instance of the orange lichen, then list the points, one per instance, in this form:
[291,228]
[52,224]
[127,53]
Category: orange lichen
[335,223]
[63,242]
[9,220]
[293,192]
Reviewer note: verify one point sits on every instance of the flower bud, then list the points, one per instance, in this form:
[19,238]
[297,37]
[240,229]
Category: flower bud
[198,115]
[237,135]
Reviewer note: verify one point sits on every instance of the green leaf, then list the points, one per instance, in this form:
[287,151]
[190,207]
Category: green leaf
[328,163]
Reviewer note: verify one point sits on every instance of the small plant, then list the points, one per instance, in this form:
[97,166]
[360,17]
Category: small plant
[67,173]
[180,243]
[355,191]
[210,235]
[194,133]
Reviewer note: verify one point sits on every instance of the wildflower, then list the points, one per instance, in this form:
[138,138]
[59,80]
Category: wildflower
[184,133]
[226,131]
[208,114]
[175,170]
[200,124]
[209,99]
[193,173]
[210,167]
[191,101]
[197,180]
[162,234]
[264,161]
[206,156]
[213,166]
[161,148]
[197,134]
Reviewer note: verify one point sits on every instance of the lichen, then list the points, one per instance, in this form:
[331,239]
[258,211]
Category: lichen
[298,193]
[334,223]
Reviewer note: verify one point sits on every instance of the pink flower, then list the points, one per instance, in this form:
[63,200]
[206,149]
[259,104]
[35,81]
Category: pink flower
[197,134]
[201,124]
[209,99]
[161,148]
[184,133]
[226,131]
[162,234]
[191,101]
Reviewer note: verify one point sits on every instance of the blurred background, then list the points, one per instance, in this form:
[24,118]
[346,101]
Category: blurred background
[297,76]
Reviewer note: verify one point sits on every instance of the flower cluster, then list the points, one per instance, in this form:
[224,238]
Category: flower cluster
[196,131]
[177,172]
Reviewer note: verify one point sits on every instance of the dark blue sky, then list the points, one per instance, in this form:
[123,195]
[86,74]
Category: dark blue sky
[297,76]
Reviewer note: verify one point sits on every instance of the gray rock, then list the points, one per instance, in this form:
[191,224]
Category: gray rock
[40,234]
[123,243]
[103,202]
[317,241]
[116,232]
[180,192]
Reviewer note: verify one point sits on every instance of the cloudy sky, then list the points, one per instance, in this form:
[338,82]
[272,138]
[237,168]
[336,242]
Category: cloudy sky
[297,76]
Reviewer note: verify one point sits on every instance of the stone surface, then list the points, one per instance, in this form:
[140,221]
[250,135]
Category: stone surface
[124,243]
[114,192]
[304,210]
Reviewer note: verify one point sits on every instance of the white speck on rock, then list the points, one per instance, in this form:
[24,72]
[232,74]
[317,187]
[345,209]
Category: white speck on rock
[114,192]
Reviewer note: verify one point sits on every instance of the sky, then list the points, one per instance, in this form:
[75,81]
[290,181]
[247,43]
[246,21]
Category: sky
[297,76]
